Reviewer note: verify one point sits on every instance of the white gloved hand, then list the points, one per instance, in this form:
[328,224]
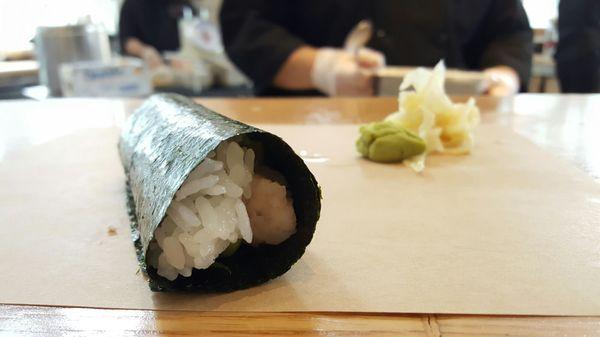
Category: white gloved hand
[501,81]
[337,72]
[152,57]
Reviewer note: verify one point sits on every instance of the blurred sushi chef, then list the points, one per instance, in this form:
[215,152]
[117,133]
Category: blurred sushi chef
[297,47]
[149,27]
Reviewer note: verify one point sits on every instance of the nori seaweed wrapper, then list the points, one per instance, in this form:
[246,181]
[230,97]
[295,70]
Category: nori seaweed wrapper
[161,143]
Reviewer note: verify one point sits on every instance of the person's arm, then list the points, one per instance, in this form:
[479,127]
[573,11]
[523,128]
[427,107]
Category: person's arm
[128,27]
[309,68]
[129,36]
[255,38]
[134,47]
[501,81]
[509,49]
[257,41]
[149,54]
[335,72]
[295,73]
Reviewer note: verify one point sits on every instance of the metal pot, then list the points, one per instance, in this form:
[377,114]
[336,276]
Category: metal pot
[57,45]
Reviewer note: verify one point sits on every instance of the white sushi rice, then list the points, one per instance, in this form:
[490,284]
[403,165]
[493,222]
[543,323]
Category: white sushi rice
[221,202]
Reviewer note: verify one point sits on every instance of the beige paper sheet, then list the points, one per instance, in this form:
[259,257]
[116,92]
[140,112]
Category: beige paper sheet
[510,229]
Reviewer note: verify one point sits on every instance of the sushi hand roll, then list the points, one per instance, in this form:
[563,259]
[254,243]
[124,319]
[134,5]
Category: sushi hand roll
[216,205]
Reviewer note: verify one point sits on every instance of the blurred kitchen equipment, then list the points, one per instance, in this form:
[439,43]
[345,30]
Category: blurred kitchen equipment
[201,40]
[458,82]
[183,72]
[120,77]
[388,79]
[57,45]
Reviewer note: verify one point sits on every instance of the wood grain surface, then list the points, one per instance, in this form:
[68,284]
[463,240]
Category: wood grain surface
[11,69]
[564,124]
[52,321]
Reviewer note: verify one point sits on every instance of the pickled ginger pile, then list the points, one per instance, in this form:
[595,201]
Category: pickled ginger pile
[424,110]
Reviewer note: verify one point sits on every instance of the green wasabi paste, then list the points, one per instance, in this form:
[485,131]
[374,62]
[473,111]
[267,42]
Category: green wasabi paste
[388,142]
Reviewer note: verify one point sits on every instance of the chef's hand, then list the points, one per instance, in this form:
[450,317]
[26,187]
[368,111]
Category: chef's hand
[337,72]
[501,81]
[152,57]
